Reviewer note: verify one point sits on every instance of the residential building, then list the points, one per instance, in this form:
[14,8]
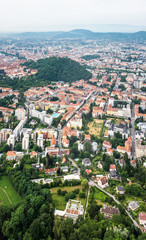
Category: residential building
[109,211]
[80,146]
[53,142]
[11,140]
[11,155]
[86,162]
[94,146]
[120,190]
[25,142]
[20,113]
[42,180]
[40,141]
[121,162]
[65,142]
[133,205]
[51,171]
[103,182]
[133,163]
[100,165]
[19,127]
[73,210]
[33,154]
[64,169]
[142,218]
[4,134]
[140,150]
[112,167]
[107,144]
[72,177]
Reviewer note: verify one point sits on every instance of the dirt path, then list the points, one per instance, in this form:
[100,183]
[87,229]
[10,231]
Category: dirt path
[6,194]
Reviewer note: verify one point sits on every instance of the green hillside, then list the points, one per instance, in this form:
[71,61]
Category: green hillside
[58,69]
[50,70]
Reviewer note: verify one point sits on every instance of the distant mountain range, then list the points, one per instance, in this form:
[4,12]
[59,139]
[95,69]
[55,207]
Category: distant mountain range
[84,34]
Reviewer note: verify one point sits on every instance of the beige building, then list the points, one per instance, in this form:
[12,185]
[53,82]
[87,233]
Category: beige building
[140,150]
[4,134]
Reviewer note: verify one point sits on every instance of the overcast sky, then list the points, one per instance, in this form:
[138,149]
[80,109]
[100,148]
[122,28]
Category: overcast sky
[48,15]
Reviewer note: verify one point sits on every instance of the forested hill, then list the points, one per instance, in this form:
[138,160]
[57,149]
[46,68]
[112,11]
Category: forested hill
[58,69]
[50,70]
[85,34]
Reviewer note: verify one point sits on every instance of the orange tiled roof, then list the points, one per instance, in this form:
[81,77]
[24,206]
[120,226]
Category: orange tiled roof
[11,153]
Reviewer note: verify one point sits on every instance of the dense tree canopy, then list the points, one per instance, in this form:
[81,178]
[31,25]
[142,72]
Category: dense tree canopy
[58,69]
[51,69]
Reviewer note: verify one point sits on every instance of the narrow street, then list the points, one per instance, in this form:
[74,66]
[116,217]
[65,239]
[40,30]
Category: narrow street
[75,165]
[133,132]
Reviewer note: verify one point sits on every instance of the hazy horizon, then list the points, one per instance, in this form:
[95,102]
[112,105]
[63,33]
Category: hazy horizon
[64,15]
[103,28]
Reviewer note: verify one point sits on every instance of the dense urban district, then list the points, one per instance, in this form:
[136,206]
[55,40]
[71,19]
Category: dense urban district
[72,139]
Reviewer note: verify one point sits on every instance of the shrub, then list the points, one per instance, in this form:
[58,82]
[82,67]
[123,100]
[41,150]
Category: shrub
[82,195]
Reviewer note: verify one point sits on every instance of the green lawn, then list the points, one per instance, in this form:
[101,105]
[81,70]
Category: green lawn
[99,195]
[8,195]
[59,201]
[68,189]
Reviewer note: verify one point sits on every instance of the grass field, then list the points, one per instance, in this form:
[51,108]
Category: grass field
[95,127]
[59,201]
[8,195]
[99,195]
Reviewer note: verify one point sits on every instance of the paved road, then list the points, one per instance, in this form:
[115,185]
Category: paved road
[59,139]
[91,183]
[75,165]
[133,131]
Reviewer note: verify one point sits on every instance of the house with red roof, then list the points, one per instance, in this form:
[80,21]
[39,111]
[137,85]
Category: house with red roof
[106,144]
[142,219]
[112,167]
[103,182]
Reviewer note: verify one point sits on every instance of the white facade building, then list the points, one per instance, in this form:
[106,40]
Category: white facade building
[25,142]
[11,140]
[20,113]
[73,210]
[94,146]
[80,146]
[42,116]
[72,177]
[19,127]
[40,141]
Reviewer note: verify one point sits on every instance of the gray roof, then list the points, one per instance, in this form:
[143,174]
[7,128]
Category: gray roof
[133,205]
[113,173]
[120,188]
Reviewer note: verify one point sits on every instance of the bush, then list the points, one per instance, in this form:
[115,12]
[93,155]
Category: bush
[67,197]
[70,195]
[76,191]
[82,195]
[59,192]
[63,193]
